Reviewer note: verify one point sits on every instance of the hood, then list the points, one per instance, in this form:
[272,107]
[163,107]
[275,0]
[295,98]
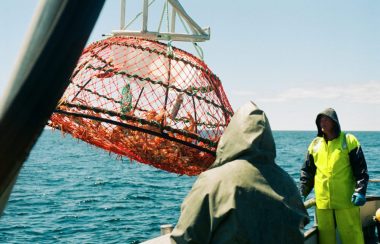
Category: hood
[248,136]
[329,112]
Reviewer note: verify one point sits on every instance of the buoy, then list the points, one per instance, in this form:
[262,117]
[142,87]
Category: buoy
[377,217]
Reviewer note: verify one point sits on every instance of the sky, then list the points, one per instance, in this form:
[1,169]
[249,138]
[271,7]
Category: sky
[292,58]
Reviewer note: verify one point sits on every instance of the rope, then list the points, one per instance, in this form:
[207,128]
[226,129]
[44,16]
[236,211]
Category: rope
[197,48]
[138,15]
[162,17]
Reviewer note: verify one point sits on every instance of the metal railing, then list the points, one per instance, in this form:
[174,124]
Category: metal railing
[311,202]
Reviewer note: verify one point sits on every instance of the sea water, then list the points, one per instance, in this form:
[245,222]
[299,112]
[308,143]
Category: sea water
[71,192]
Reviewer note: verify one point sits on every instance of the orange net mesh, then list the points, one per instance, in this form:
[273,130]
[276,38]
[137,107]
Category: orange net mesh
[148,101]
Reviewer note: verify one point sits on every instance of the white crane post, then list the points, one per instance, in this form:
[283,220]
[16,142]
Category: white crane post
[122,14]
[198,34]
[174,13]
[145,16]
[181,11]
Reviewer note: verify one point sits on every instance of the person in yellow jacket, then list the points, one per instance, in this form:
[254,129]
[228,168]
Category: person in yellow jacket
[245,197]
[337,170]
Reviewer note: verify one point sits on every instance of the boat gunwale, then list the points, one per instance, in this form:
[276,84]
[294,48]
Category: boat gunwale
[310,233]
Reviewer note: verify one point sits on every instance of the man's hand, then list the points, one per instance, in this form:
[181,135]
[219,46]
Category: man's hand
[358,199]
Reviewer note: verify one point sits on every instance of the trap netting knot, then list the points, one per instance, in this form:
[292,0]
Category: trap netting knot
[136,98]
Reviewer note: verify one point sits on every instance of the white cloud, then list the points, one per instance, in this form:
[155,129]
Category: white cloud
[365,93]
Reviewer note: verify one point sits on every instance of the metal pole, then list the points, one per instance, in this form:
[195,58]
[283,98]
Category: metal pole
[145,16]
[374,181]
[122,14]
[172,29]
[181,11]
[53,46]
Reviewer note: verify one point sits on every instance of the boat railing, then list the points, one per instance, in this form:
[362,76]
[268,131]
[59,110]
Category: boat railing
[368,214]
[311,202]
[310,233]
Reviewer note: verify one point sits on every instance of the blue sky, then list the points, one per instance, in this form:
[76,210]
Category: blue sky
[293,58]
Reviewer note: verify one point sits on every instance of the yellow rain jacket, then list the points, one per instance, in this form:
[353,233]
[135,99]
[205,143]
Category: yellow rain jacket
[334,180]
[336,169]
[245,197]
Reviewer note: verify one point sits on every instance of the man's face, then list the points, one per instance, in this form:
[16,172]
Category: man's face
[326,124]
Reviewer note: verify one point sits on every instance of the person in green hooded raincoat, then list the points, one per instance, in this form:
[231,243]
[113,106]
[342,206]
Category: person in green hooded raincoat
[245,197]
[337,170]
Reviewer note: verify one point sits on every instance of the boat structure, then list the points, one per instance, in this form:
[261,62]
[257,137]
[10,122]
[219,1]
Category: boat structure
[369,214]
[133,94]
[54,43]
[370,218]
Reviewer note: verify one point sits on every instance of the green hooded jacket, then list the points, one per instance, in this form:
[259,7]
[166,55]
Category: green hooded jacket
[245,197]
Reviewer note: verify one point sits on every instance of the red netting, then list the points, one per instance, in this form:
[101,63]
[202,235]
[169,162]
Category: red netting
[142,99]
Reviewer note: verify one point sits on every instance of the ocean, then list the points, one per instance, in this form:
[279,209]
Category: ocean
[71,192]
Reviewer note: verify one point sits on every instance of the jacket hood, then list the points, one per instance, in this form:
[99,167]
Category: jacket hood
[329,112]
[248,136]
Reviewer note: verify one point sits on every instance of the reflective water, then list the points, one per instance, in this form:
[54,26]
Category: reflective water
[71,192]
